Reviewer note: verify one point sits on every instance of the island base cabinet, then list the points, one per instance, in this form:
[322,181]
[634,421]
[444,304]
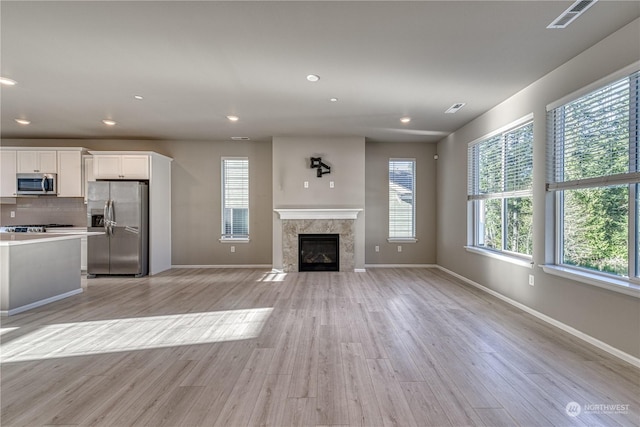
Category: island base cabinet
[26,284]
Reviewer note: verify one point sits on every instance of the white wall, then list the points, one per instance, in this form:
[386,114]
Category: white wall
[610,317]
[291,169]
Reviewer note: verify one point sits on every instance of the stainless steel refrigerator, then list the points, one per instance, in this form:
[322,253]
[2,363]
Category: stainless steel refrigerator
[120,210]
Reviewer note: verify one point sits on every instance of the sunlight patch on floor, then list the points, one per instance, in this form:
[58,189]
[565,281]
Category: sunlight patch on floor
[138,333]
[273,277]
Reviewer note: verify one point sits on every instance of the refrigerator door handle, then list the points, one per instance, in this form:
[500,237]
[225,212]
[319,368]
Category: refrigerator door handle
[112,215]
[105,217]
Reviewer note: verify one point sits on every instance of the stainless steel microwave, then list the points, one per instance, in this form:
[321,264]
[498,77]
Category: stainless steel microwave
[37,184]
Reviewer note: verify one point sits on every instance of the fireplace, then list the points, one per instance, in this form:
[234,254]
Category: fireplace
[297,221]
[319,252]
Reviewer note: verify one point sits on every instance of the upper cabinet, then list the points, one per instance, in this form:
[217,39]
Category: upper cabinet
[121,166]
[88,174]
[8,173]
[31,161]
[70,173]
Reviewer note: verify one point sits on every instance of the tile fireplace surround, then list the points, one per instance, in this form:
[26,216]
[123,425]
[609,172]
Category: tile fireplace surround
[317,221]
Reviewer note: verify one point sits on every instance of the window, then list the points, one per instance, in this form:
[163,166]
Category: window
[500,174]
[593,173]
[235,198]
[402,199]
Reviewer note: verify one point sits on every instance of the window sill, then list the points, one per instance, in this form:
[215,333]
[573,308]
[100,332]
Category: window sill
[402,240]
[620,285]
[524,262]
[234,240]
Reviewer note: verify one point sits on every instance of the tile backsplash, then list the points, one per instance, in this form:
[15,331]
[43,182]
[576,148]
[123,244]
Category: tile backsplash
[44,210]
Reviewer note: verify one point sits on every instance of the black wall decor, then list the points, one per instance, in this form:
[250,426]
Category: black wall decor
[322,168]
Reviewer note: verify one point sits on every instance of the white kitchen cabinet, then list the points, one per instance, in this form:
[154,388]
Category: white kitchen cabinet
[30,161]
[8,173]
[70,174]
[88,175]
[121,166]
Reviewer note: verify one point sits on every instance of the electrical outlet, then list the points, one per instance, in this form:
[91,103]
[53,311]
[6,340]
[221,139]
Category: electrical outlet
[13,214]
[399,248]
[306,184]
[233,248]
[531,280]
[377,248]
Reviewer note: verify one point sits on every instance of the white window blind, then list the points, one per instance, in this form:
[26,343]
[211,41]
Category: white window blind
[592,166]
[235,198]
[500,187]
[402,199]
[593,139]
[502,165]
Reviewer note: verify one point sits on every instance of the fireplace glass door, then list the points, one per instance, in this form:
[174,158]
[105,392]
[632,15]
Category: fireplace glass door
[318,252]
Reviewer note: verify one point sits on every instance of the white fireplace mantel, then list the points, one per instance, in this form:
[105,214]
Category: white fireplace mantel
[317,213]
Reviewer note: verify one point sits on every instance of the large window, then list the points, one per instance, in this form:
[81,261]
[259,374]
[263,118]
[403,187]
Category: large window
[402,199]
[235,198]
[500,174]
[593,171]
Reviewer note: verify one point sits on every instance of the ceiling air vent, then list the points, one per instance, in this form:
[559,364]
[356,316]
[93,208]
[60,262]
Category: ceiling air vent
[455,107]
[240,138]
[569,15]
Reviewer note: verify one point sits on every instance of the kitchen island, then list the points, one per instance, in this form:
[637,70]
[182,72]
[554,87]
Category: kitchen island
[38,268]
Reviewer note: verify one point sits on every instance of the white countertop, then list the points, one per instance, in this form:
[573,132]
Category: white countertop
[58,230]
[8,239]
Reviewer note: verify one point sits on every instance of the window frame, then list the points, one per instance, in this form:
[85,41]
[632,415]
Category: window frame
[475,199]
[226,237]
[556,187]
[413,237]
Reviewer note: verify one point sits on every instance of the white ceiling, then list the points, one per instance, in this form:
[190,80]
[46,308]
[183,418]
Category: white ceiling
[77,63]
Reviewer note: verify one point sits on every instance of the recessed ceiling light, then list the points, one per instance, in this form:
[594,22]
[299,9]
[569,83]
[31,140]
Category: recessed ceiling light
[313,77]
[109,122]
[23,121]
[7,82]
[333,99]
[455,107]
[138,97]
[233,118]
[405,119]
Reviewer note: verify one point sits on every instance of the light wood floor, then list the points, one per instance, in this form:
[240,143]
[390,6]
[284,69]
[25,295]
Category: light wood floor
[389,347]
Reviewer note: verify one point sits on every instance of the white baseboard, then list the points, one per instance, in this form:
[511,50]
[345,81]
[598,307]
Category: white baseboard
[400,266]
[268,266]
[40,303]
[576,333]
[224,266]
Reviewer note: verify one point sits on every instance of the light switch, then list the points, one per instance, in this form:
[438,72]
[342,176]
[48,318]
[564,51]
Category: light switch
[13,214]
[306,184]
[377,248]
[331,184]
[233,248]
[399,248]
